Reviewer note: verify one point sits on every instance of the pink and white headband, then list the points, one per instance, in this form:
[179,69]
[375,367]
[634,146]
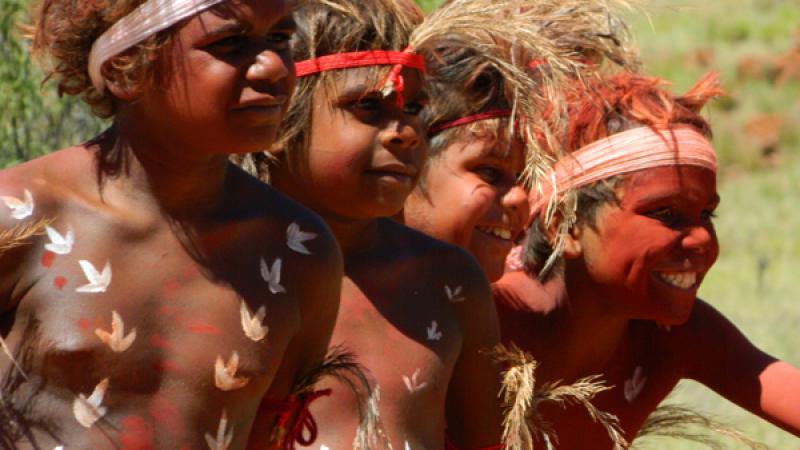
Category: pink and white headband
[636,149]
[146,20]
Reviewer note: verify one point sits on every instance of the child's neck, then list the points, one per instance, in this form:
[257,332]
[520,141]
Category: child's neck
[160,177]
[588,335]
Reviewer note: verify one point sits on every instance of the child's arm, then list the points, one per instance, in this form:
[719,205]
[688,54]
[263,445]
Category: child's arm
[722,358]
[320,295]
[474,412]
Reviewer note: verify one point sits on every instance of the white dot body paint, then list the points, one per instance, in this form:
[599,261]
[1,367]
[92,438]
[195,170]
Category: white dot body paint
[87,411]
[253,325]
[272,276]
[433,332]
[454,295]
[225,374]
[98,281]
[634,385]
[223,438]
[295,238]
[20,209]
[412,384]
[116,340]
[60,244]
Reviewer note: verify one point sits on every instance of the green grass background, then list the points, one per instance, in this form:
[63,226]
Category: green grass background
[755,282]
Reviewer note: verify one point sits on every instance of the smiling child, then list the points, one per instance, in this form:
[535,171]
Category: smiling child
[417,312]
[620,300]
[165,299]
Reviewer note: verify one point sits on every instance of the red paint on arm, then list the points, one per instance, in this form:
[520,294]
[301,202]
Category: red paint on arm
[47,258]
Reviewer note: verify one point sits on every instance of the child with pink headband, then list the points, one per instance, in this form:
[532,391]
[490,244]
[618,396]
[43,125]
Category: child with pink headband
[618,282]
[169,291]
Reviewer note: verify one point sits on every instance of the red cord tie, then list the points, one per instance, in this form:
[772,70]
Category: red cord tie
[304,429]
[393,82]
[490,114]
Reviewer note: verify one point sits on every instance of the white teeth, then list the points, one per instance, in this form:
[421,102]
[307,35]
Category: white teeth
[682,280]
[502,233]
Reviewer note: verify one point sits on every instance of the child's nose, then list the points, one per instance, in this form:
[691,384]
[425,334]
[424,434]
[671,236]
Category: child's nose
[515,202]
[400,136]
[699,238]
[268,66]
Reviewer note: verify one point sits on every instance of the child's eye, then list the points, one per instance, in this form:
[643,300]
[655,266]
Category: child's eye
[489,174]
[368,103]
[227,43]
[413,109]
[709,215]
[665,215]
[280,37]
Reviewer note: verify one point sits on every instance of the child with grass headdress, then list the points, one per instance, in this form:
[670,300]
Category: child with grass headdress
[417,312]
[621,277]
[163,299]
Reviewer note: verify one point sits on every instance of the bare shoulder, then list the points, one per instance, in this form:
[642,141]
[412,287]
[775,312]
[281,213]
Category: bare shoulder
[448,265]
[32,195]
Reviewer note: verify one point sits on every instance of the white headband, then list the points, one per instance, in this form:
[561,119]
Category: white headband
[636,149]
[149,18]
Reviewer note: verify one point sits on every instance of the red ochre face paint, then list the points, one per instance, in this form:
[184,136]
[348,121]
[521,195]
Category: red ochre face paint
[59,282]
[47,258]
[136,434]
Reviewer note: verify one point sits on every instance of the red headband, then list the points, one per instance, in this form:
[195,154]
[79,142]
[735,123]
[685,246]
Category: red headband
[490,114]
[406,58]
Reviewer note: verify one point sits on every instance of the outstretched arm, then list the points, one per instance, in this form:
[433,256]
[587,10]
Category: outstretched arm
[723,359]
[474,413]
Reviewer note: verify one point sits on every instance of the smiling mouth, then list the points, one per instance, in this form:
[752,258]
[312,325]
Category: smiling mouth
[498,232]
[680,280]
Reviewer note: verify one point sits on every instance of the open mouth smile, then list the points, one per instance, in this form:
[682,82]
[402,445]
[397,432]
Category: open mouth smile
[498,232]
[680,280]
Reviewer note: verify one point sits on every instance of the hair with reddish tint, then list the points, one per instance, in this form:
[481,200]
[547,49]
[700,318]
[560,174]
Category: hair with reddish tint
[63,33]
[603,107]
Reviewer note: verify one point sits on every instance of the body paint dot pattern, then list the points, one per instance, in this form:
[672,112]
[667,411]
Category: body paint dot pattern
[412,384]
[225,374]
[635,384]
[296,238]
[98,281]
[89,410]
[223,438]
[20,209]
[253,325]
[454,295]
[272,276]
[116,340]
[433,331]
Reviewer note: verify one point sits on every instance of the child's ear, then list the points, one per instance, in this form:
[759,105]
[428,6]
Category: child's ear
[118,87]
[571,240]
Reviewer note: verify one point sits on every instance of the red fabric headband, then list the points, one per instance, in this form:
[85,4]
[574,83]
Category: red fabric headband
[359,59]
[490,114]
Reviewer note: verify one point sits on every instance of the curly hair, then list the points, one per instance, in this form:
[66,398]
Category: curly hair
[326,27]
[603,108]
[63,33]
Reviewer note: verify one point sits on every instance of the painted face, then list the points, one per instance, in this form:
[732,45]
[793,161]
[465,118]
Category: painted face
[365,151]
[648,256]
[470,197]
[225,80]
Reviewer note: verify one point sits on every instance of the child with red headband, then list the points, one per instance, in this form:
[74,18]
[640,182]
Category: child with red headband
[169,291]
[619,288]
[417,312]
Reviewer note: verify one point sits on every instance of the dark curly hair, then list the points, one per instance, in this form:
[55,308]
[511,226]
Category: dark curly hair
[63,33]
